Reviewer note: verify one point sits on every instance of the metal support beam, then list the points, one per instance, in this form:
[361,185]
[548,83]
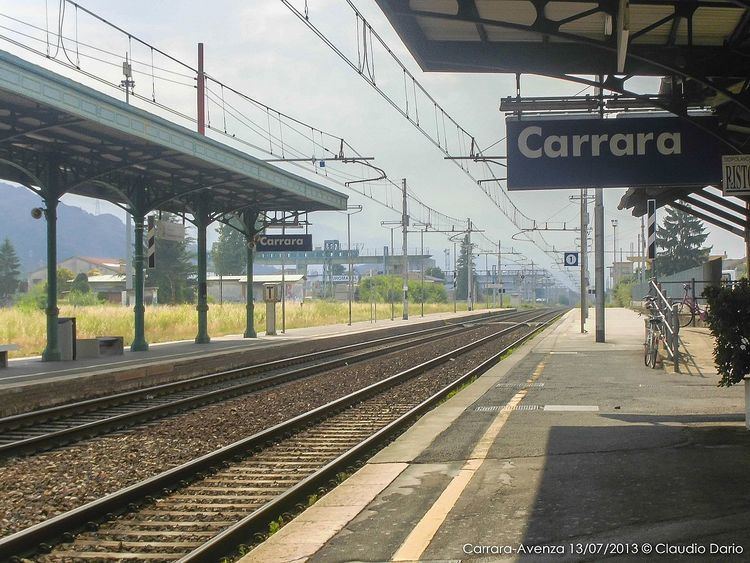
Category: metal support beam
[139,343]
[599,262]
[708,218]
[249,219]
[201,222]
[51,197]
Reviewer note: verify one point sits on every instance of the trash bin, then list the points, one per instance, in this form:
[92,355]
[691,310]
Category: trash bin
[66,338]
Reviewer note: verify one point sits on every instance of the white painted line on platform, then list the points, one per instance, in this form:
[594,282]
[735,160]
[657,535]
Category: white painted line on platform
[561,353]
[571,408]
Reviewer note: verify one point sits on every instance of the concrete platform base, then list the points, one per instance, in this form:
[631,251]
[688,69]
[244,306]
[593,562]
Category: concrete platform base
[564,450]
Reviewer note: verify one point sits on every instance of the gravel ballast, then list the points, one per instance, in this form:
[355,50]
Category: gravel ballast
[39,487]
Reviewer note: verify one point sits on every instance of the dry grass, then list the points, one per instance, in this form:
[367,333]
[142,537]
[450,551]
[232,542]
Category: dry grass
[166,323]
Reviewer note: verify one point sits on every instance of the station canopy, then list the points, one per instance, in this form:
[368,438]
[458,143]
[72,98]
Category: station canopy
[103,147]
[699,50]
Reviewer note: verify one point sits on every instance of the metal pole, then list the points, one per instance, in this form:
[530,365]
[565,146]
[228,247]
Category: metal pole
[52,350]
[392,249]
[500,274]
[201,92]
[139,341]
[643,250]
[469,266]
[128,257]
[249,220]
[202,224]
[404,229]
[455,275]
[599,262]
[421,263]
[584,244]
[283,288]
[349,252]
[747,238]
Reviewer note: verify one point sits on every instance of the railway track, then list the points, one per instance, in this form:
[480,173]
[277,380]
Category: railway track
[56,426]
[203,509]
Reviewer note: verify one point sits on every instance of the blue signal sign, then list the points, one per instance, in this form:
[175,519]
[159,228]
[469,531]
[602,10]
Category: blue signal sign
[571,259]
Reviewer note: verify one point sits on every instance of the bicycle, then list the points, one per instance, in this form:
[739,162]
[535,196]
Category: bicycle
[653,333]
[692,306]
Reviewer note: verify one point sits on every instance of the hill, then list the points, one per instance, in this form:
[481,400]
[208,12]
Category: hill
[79,233]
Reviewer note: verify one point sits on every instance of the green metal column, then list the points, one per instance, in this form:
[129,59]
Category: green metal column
[201,222]
[249,219]
[52,350]
[139,341]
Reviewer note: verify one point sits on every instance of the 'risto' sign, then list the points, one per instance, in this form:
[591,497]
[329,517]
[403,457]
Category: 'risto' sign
[626,152]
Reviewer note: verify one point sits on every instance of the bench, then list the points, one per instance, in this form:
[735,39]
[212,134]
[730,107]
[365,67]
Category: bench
[98,347]
[4,349]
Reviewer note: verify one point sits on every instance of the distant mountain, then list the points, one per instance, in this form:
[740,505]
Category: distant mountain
[79,233]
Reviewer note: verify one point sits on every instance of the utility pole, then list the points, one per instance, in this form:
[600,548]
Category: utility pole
[584,265]
[599,262]
[499,280]
[455,274]
[128,84]
[470,256]
[404,229]
[614,256]
[421,264]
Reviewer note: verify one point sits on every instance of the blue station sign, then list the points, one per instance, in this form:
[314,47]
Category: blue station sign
[623,152]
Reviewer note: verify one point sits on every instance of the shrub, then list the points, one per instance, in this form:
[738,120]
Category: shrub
[35,298]
[80,299]
[729,322]
[80,284]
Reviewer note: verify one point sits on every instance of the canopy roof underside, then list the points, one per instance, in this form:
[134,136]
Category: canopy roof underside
[103,148]
[700,49]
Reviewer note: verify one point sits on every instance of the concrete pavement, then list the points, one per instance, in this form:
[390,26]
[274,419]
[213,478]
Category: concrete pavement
[565,449]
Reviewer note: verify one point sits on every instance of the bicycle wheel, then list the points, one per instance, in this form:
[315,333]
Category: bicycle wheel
[647,349]
[653,353]
[685,311]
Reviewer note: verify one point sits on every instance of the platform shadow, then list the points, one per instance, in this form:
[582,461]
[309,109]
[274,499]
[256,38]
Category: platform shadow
[642,483]
[672,418]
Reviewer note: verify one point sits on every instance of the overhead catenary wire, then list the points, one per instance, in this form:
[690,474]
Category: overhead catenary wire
[286,124]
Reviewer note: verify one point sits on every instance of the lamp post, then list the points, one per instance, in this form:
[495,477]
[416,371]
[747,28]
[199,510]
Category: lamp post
[350,210]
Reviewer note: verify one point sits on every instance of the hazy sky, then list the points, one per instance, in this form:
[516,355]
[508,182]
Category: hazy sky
[260,48]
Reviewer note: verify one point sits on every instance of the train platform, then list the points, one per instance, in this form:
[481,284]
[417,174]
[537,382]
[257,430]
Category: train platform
[568,450]
[29,383]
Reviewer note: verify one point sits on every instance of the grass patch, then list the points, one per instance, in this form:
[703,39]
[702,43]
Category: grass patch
[165,323]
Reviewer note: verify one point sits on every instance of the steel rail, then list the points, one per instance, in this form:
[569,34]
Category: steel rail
[39,537]
[160,410]
[226,542]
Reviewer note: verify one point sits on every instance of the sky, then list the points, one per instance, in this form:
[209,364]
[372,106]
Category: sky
[261,49]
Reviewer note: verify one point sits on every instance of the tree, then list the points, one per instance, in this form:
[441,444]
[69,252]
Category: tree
[229,253]
[682,237]
[462,270]
[80,284]
[174,274]
[9,270]
[435,272]
[64,279]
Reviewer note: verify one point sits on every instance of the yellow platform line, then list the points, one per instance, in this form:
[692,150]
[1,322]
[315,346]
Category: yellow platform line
[420,537]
